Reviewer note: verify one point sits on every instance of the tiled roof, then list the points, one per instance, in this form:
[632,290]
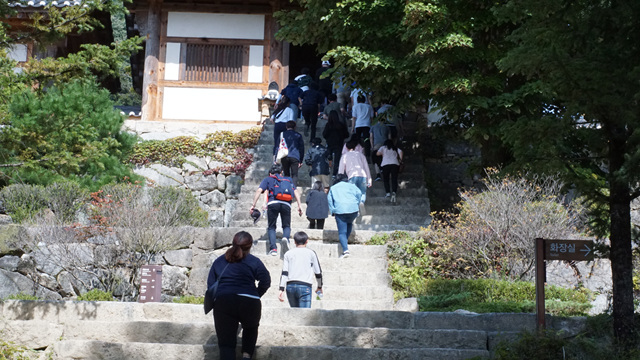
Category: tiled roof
[43,3]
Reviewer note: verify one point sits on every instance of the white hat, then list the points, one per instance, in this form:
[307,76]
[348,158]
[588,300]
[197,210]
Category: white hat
[326,62]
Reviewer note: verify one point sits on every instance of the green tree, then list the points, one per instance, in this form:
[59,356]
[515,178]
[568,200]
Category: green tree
[61,123]
[585,54]
[66,132]
[545,85]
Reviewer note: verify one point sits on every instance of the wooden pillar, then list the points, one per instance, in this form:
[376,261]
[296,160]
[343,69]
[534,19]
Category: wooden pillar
[152,53]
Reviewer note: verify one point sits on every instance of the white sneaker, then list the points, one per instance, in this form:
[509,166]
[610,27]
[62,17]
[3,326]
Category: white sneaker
[363,211]
[344,255]
[273,252]
[388,195]
[393,198]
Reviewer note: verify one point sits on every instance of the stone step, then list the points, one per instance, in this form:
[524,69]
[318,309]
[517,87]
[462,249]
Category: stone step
[94,350]
[374,198]
[62,312]
[379,214]
[341,293]
[328,250]
[330,232]
[204,333]
[355,263]
[338,278]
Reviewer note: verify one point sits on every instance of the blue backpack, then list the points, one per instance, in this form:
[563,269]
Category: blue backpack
[283,189]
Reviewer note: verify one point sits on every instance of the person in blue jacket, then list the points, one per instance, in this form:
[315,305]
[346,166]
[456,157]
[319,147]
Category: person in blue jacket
[344,198]
[238,298]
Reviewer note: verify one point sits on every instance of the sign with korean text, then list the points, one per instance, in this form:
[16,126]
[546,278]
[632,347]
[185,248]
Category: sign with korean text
[578,250]
[150,283]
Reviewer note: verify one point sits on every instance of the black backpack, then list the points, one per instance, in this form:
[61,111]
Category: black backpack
[283,189]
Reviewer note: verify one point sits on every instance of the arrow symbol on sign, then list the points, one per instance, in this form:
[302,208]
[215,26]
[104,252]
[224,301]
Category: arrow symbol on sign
[586,250]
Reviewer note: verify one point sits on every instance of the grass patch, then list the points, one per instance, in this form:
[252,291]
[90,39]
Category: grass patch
[595,342]
[487,295]
[96,295]
[189,299]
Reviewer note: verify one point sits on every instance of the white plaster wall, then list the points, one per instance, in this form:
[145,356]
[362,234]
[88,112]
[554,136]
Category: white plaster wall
[172,62]
[256,53]
[210,104]
[220,26]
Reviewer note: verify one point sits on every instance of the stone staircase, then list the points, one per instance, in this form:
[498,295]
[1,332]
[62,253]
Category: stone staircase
[410,212]
[355,319]
[119,331]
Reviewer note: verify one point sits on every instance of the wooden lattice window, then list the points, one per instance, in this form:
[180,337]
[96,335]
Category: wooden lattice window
[216,63]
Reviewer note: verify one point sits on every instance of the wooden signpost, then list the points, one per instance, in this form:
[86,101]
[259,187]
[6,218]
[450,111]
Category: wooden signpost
[547,249]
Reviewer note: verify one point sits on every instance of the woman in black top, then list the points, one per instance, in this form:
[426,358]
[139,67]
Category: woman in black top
[238,298]
[334,133]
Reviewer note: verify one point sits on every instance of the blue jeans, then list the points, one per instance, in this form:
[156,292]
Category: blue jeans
[273,210]
[345,226]
[299,295]
[361,183]
[296,111]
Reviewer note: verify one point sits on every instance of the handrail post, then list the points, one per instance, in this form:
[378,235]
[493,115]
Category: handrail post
[540,280]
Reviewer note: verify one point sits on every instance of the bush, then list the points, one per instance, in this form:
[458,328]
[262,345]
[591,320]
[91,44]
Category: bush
[223,146]
[96,295]
[70,131]
[189,299]
[594,343]
[65,199]
[10,351]
[21,296]
[23,202]
[492,233]
[488,295]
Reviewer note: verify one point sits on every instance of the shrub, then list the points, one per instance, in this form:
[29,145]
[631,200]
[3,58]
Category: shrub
[179,206]
[189,299]
[70,131]
[492,233]
[23,202]
[10,351]
[488,295]
[65,199]
[224,147]
[596,342]
[96,295]
[21,296]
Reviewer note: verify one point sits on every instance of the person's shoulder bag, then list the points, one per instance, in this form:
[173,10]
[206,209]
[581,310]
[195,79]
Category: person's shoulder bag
[210,294]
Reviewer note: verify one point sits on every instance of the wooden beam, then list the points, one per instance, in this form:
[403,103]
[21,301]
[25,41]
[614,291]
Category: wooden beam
[211,84]
[211,41]
[152,53]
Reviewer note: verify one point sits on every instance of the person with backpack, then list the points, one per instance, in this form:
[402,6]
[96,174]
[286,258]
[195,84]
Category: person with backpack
[317,158]
[295,145]
[280,191]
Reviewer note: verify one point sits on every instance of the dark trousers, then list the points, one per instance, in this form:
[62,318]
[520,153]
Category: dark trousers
[376,159]
[228,311]
[273,210]
[390,171]
[310,114]
[316,223]
[336,154]
[290,168]
[363,133]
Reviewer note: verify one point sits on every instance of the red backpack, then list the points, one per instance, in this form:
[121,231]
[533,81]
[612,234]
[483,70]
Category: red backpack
[283,189]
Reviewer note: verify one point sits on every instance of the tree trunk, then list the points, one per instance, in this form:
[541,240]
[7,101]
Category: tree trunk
[621,259]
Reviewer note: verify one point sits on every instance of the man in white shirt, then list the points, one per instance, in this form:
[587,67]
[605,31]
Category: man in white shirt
[361,122]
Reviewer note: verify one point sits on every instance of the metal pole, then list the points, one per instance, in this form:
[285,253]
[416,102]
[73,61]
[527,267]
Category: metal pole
[540,280]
